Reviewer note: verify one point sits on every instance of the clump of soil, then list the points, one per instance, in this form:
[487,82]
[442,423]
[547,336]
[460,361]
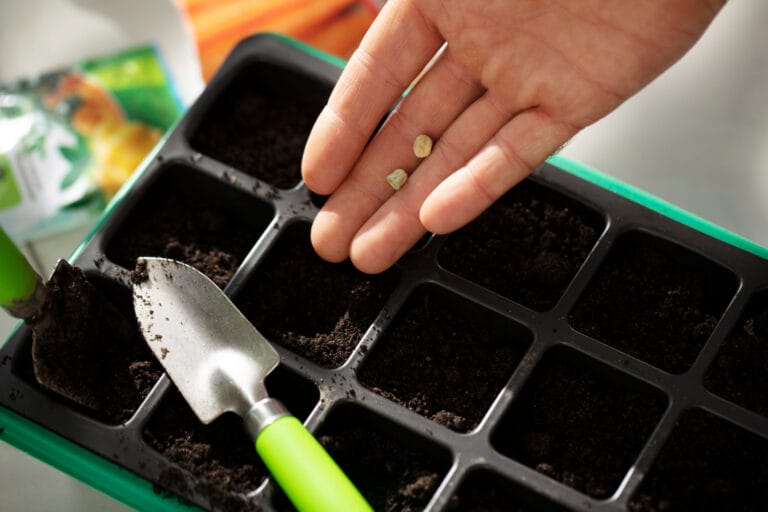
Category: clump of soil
[707,464]
[442,362]
[220,455]
[85,349]
[739,372]
[390,474]
[317,309]
[527,246]
[654,301]
[578,426]
[484,491]
[187,226]
[260,133]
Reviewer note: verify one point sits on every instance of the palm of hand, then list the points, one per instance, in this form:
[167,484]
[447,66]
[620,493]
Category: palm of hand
[516,81]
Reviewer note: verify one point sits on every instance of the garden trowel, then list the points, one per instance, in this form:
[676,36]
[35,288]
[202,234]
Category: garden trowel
[218,361]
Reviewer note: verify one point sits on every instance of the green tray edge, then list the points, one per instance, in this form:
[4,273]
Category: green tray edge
[137,492]
[657,204]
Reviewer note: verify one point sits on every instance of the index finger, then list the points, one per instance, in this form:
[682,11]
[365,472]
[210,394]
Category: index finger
[398,45]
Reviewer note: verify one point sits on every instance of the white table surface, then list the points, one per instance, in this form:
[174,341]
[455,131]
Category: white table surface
[697,136]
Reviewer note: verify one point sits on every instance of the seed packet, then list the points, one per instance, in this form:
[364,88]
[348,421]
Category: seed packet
[69,139]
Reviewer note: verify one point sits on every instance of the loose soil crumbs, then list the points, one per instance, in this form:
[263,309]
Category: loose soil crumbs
[527,246]
[707,464]
[317,309]
[85,349]
[186,227]
[739,373]
[259,134]
[441,364]
[652,305]
[219,455]
[579,428]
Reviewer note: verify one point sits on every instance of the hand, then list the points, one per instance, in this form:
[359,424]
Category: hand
[517,79]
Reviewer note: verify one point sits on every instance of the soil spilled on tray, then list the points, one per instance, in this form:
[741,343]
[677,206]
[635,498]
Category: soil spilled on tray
[88,350]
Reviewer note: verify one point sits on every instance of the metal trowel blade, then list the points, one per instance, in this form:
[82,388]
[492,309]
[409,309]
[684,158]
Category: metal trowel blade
[212,353]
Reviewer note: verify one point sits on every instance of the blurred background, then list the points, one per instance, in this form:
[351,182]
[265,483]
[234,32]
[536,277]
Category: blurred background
[697,136]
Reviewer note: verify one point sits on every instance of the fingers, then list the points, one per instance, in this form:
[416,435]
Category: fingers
[519,147]
[398,45]
[434,103]
[396,226]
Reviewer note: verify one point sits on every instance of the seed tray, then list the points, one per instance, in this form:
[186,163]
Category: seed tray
[580,346]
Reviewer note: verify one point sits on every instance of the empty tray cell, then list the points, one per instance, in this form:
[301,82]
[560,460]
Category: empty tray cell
[708,464]
[393,468]
[654,300]
[93,352]
[579,422]
[486,491]
[317,309]
[220,456]
[260,122]
[445,358]
[740,371]
[190,217]
[527,246]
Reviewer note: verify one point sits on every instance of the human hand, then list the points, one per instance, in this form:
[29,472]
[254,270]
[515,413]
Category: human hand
[517,80]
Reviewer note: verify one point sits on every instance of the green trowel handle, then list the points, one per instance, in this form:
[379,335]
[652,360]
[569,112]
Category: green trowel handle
[17,278]
[304,470]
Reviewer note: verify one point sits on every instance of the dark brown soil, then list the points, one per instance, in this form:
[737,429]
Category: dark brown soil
[527,246]
[389,471]
[484,491]
[443,362]
[86,349]
[317,309]
[187,225]
[220,456]
[260,134]
[583,427]
[740,371]
[654,301]
[706,465]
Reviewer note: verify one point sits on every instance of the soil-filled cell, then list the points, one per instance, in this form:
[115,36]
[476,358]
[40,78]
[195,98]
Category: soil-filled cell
[579,422]
[740,371]
[485,491]
[191,218]
[708,464]
[527,246]
[259,124]
[220,456]
[445,358]
[654,300]
[89,348]
[392,468]
[317,309]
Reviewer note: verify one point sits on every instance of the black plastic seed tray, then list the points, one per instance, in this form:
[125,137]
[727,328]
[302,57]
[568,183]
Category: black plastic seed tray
[581,346]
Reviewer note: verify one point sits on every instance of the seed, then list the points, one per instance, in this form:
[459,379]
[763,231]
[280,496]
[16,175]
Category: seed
[422,146]
[397,178]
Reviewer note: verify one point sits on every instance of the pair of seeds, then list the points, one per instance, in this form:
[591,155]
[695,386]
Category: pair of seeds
[422,147]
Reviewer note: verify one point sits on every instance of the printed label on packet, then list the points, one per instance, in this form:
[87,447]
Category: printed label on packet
[70,139]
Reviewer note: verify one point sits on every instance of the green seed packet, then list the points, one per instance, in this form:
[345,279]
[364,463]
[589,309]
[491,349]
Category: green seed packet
[69,139]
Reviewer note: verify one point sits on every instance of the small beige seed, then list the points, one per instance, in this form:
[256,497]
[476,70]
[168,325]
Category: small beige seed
[397,178]
[422,146]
